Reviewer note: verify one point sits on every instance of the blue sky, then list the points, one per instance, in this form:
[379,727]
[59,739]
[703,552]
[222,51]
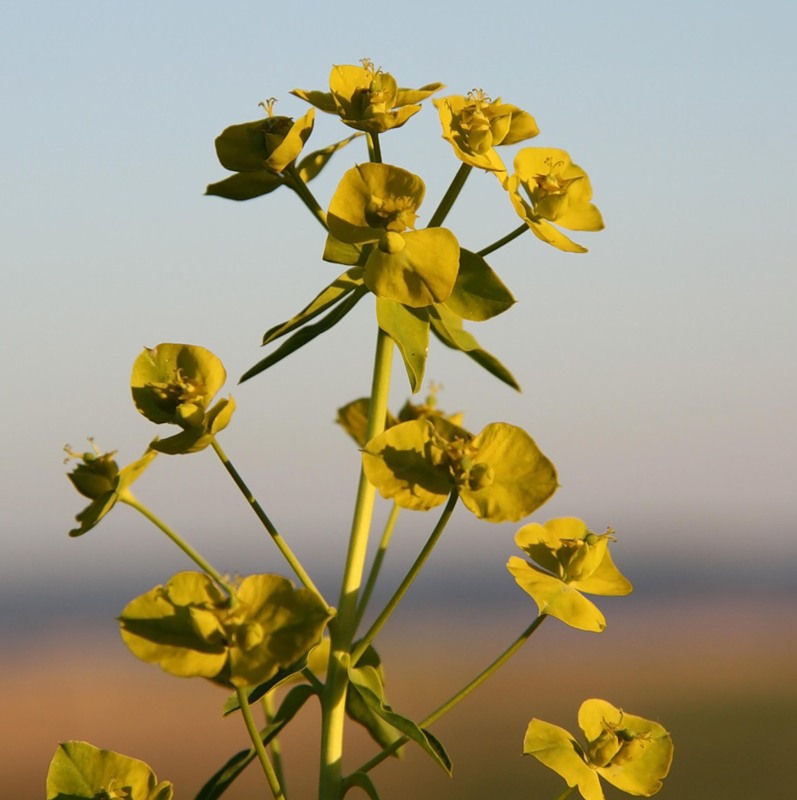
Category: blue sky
[658,370]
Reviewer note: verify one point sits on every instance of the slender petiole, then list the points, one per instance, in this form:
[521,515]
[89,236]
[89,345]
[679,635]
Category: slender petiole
[298,185]
[521,229]
[450,196]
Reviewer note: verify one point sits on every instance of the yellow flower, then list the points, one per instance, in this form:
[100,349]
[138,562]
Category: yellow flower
[475,125]
[548,188]
[376,204]
[632,753]
[366,98]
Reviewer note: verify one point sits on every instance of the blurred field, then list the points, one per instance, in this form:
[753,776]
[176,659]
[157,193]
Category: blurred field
[719,675]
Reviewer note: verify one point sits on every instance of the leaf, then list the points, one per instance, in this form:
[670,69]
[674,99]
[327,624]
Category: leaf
[307,334]
[325,299]
[314,162]
[478,294]
[253,695]
[220,781]
[448,329]
[365,681]
[360,780]
[245,185]
[409,329]
[81,771]
[337,252]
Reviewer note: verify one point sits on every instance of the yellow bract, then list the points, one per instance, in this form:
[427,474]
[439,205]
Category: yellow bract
[548,188]
[368,99]
[475,124]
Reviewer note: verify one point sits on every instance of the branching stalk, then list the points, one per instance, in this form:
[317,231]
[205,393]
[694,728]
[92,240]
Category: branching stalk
[267,523]
[274,745]
[257,743]
[203,564]
[450,196]
[460,695]
[376,567]
[503,240]
[366,640]
[298,185]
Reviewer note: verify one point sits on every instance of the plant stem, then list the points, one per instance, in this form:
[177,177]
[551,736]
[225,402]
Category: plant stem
[460,695]
[366,640]
[276,750]
[566,793]
[257,742]
[180,542]
[503,240]
[450,196]
[305,195]
[342,628]
[374,148]
[267,523]
[387,533]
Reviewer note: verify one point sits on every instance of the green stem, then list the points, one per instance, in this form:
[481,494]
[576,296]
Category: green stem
[374,148]
[180,542]
[366,640]
[460,695]
[450,196]
[387,533]
[276,750]
[566,793]
[298,185]
[257,742]
[342,628]
[267,523]
[503,240]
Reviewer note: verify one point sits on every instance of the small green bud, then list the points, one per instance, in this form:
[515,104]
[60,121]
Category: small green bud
[392,243]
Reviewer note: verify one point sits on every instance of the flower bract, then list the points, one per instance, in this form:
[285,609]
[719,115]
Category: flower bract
[475,125]
[632,753]
[81,771]
[175,383]
[98,477]
[569,559]
[499,475]
[376,204]
[548,188]
[368,99]
[191,629]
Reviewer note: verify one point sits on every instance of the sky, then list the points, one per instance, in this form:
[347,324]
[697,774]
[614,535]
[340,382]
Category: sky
[658,370]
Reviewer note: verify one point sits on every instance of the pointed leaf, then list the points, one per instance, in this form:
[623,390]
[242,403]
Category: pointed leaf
[312,164]
[324,300]
[365,681]
[220,781]
[478,294]
[306,334]
[245,185]
[409,329]
[448,329]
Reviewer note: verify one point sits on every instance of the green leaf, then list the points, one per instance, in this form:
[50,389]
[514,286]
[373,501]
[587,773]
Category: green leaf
[479,294]
[80,771]
[307,334]
[448,329]
[360,780]
[313,163]
[337,252]
[324,300]
[409,329]
[242,148]
[365,681]
[261,690]
[220,781]
[245,185]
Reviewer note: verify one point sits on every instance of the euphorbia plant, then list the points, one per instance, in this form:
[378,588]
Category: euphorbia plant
[273,643]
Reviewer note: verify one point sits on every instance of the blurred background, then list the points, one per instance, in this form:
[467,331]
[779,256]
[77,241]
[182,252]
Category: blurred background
[658,371]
